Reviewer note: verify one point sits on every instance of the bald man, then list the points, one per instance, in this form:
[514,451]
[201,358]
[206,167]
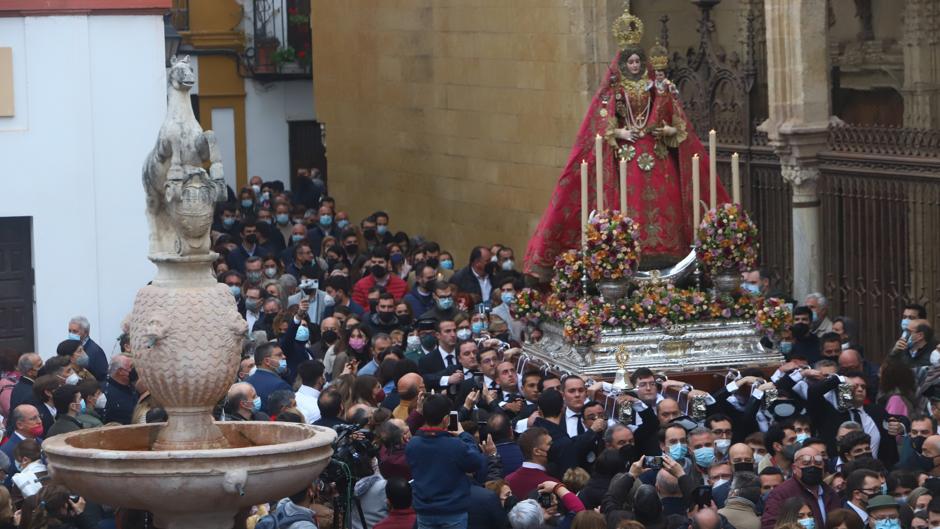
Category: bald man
[931,451]
[807,483]
[706,519]
[741,459]
[667,410]
[409,387]
[916,346]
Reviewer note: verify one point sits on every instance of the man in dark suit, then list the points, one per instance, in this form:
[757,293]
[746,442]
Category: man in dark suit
[79,327]
[473,279]
[271,364]
[330,403]
[27,424]
[828,411]
[565,452]
[28,366]
[440,368]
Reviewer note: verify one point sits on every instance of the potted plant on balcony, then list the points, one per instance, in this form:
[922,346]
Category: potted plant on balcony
[265,49]
[285,59]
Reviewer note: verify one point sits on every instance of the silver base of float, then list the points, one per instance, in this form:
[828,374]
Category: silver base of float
[685,348]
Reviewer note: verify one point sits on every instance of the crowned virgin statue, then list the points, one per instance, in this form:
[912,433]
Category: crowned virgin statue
[637,112]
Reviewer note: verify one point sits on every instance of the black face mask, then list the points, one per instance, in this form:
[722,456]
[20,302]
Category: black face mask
[812,476]
[433,262]
[372,304]
[511,502]
[369,234]
[133,375]
[743,467]
[251,239]
[429,342]
[627,454]
[918,444]
[404,319]
[386,317]
[351,249]
[329,336]
[800,330]
[378,271]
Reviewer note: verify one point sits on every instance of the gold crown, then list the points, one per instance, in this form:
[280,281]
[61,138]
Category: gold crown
[659,56]
[628,29]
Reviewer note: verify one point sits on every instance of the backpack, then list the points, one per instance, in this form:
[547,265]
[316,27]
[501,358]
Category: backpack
[279,520]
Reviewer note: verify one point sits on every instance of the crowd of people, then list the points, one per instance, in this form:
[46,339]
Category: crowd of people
[442,422]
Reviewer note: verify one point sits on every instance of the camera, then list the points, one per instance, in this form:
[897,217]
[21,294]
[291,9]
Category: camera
[653,462]
[478,379]
[545,500]
[309,286]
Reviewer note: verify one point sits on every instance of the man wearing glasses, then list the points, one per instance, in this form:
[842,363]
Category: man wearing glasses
[807,482]
[884,513]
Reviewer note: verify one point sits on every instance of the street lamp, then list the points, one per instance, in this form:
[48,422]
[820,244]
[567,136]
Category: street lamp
[171,38]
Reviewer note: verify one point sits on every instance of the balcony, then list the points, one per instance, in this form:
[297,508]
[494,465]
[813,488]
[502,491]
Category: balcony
[278,34]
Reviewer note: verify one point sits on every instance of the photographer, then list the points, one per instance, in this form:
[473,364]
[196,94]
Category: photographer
[439,462]
[56,508]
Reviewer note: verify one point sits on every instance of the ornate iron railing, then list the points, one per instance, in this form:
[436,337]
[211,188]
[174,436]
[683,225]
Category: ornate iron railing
[280,39]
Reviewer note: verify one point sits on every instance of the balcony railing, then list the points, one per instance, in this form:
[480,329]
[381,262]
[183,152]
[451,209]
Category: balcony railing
[280,39]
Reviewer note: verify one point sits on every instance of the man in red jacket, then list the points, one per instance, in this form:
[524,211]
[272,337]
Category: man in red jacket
[378,268]
[535,444]
[806,482]
[400,513]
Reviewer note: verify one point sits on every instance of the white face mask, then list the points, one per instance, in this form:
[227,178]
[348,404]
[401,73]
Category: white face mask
[328,300]
[74,379]
[722,445]
[253,370]
[934,357]
[101,402]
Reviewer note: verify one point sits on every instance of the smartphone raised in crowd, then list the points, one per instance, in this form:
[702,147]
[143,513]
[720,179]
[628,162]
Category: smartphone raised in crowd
[452,425]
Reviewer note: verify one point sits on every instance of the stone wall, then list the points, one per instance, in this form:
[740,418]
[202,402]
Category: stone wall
[457,116]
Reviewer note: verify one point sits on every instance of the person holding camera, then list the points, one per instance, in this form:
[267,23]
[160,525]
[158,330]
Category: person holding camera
[440,461]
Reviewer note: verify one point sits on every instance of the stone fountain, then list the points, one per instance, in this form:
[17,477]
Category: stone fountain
[186,338]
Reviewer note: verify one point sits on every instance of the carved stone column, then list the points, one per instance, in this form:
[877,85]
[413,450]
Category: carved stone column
[921,46]
[799,110]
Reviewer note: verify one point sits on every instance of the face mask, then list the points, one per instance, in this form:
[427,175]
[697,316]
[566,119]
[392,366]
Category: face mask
[902,500]
[235,290]
[429,342]
[282,365]
[303,334]
[397,258]
[266,221]
[386,317]
[228,222]
[351,249]
[800,437]
[19,467]
[342,223]
[329,336]
[82,406]
[256,189]
[678,451]
[918,443]
[743,467]
[296,238]
[413,343]
[73,336]
[251,239]
[508,265]
[282,219]
[445,303]
[357,343]
[101,402]
[378,271]
[722,445]
[904,323]
[786,348]
[368,234]
[815,317]
[447,264]
[326,220]
[254,276]
[910,342]
[271,272]
[373,303]
[476,327]
[464,334]
[808,523]
[934,357]
[884,488]
[378,396]
[73,379]
[800,330]
[253,370]
[82,361]
[381,229]
[433,262]
[888,524]
[508,297]
[704,456]
[247,203]
[812,476]
[719,483]
[328,300]
[627,453]
[36,431]
[256,403]
[757,459]
[750,288]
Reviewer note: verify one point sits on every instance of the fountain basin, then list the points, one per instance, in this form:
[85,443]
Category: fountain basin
[265,461]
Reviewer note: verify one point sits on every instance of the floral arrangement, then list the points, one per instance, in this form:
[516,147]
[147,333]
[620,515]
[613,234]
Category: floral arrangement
[773,317]
[664,304]
[582,322]
[727,240]
[528,306]
[613,247]
[566,280]
[727,307]
[295,17]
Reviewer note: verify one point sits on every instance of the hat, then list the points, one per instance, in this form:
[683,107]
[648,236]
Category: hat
[426,324]
[881,501]
[933,393]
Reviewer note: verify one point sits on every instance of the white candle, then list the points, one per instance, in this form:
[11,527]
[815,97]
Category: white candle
[599,169]
[735,178]
[584,204]
[623,186]
[712,169]
[696,194]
